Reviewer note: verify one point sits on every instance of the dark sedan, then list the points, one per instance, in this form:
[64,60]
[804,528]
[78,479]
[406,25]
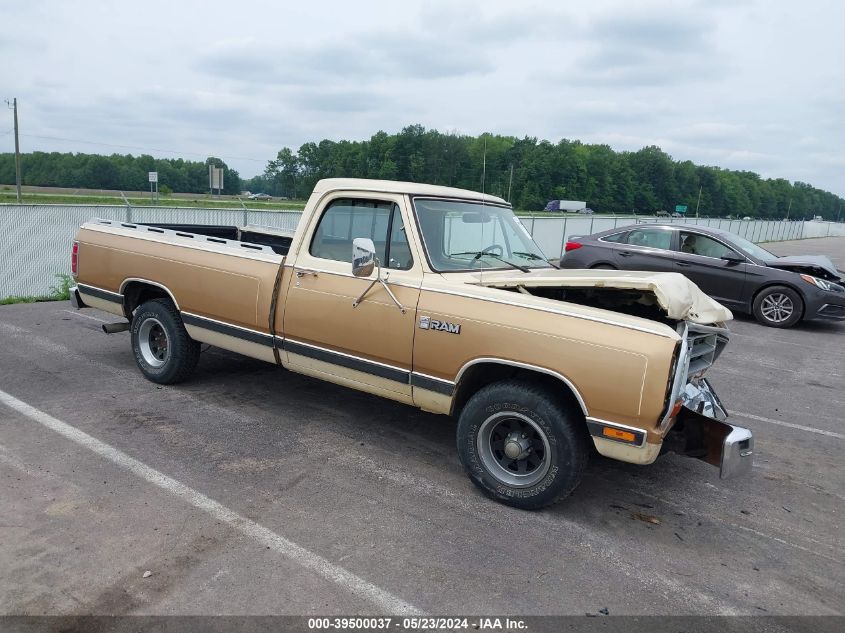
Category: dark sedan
[778,291]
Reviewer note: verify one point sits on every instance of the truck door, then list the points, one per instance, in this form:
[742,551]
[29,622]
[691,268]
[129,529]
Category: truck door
[369,345]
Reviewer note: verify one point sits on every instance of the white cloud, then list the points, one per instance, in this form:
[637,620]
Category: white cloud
[746,85]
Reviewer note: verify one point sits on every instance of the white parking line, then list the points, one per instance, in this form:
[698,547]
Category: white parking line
[385,600]
[809,429]
[85,316]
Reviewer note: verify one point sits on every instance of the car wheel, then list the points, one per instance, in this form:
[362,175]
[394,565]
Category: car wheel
[522,445]
[164,352]
[778,306]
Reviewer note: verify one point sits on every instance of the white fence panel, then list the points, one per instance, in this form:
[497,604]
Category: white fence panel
[35,244]
[824,229]
[35,248]
[36,238]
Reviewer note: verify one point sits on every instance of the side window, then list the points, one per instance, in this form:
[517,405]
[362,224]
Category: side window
[650,238]
[345,219]
[696,244]
[615,237]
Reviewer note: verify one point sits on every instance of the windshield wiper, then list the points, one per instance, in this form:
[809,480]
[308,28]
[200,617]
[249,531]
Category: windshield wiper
[534,256]
[482,253]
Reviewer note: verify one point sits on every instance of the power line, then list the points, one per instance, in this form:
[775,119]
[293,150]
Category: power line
[135,147]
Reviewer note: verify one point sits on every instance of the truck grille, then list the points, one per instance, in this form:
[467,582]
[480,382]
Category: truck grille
[702,346]
[702,353]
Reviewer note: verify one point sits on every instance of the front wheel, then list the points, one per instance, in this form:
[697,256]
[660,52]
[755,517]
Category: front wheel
[521,445]
[778,306]
[163,350]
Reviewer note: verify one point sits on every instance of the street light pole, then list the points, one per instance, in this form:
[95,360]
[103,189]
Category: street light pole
[14,106]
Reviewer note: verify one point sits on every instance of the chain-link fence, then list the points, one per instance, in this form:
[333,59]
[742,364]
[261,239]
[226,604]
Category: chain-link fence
[35,239]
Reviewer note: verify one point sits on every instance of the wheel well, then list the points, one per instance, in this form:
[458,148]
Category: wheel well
[482,374]
[137,292]
[604,265]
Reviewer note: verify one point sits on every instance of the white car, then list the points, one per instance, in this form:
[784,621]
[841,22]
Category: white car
[260,196]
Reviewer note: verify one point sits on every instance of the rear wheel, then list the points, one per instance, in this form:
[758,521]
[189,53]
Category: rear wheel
[521,445]
[778,306]
[163,350]
[604,267]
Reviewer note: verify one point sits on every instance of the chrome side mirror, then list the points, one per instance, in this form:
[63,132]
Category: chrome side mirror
[363,257]
[364,260]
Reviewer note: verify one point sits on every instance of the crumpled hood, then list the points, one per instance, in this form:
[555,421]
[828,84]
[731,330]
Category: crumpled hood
[819,261]
[679,297]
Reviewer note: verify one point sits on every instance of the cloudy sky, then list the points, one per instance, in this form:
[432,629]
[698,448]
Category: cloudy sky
[748,84]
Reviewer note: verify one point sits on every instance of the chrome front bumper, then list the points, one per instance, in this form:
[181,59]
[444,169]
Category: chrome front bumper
[737,451]
[703,433]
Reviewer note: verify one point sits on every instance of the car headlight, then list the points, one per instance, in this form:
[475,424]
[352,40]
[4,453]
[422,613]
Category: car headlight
[824,284]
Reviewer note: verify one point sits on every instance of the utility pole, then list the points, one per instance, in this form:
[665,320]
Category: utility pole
[510,183]
[699,201]
[14,106]
[788,208]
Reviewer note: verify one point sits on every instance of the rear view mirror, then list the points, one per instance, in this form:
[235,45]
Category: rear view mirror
[363,257]
[475,217]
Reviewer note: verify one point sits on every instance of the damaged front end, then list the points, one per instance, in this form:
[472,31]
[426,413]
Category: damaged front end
[695,421]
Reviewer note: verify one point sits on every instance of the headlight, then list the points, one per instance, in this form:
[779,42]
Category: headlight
[823,283]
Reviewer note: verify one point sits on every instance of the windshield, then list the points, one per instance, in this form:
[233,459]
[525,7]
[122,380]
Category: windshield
[469,235]
[750,248]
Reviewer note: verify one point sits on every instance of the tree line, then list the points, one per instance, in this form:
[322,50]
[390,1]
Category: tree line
[121,172]
[530,172]
[527,171]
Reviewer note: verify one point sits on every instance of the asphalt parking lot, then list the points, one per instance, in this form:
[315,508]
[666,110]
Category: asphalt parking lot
[300,497]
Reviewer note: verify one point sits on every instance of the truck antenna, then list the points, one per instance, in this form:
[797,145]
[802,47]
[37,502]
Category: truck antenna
[483,178]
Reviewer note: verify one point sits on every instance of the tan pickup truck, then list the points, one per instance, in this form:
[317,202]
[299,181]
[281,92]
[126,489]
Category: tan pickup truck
[438,298]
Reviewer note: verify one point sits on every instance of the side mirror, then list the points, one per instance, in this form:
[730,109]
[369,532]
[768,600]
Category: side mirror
[733,259]
[363,257]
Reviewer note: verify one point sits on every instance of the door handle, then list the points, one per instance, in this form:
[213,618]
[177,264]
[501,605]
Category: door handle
[626,253]
[683,264]
[304,271]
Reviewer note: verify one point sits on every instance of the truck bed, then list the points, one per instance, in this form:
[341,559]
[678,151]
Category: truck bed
[219,277]
[277,239]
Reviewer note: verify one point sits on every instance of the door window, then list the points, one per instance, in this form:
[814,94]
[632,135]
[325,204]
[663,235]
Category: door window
[615,237]
[650,238]
[345,219]
[697,244]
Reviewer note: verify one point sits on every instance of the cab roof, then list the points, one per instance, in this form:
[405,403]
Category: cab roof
[395,186]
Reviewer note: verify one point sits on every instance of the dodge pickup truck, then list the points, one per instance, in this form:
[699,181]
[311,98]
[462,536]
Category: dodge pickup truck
[438,298]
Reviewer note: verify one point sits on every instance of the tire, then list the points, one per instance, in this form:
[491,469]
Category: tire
[164,352]
[778,306]
[603,267]
[555,449]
